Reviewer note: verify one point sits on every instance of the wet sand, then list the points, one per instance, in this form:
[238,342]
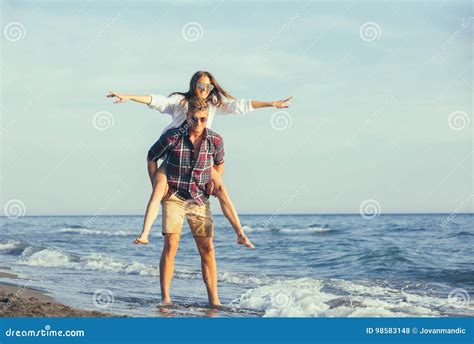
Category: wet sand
[18,300]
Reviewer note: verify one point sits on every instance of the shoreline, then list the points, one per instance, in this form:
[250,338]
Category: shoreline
[20,300]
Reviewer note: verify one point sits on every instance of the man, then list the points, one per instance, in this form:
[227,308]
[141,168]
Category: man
[191,151]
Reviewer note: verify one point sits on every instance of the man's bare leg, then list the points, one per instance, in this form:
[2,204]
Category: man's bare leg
[167,265]
[205,246]
[159,190]
[228,209]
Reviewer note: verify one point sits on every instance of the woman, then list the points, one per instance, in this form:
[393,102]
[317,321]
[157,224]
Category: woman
[205,86]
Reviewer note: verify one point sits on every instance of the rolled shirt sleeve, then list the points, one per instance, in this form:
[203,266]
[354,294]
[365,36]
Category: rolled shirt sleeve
[164,104]
[218,155]
[236,106]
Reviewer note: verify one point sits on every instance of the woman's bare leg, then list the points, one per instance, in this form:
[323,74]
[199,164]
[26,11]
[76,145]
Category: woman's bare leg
[228,209]
[160,187]
[152,169]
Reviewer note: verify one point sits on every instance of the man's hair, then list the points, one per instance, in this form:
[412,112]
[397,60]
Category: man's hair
[197,104]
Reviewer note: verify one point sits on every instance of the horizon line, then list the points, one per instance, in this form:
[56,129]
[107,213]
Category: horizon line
[251,214]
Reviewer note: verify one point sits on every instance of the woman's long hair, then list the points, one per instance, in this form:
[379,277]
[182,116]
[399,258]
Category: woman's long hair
[215,97]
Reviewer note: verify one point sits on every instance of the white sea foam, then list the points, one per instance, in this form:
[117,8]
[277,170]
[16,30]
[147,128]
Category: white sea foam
[308,230]
[89,231]
[46,258]
[307,297]
[99,262]
[249,229]
[246,280]
[305,230]
[9,245]
[95,261]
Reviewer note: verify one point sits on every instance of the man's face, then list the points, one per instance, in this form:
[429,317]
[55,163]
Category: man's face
[200,122]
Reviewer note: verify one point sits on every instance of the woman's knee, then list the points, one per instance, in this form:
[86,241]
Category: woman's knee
[219,188]
[160,184]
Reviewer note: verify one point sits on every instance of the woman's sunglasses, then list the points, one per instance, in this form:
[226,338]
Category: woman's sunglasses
[202,86]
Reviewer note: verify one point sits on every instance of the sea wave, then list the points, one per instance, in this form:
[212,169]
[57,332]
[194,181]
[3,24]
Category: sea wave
[47,257]
[54,258]
[90,231]
[286,230]
[306,297]
[9,245]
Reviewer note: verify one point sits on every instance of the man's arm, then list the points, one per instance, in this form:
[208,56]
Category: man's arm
[219,168]
[218,154]
[218,161]
[164,144]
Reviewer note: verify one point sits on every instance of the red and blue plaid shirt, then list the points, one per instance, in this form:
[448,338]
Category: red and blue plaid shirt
[187,178]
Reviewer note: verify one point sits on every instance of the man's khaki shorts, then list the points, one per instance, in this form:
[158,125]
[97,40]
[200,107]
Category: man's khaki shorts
[199,216]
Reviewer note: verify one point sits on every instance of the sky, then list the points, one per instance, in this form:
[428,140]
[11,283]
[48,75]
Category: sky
[381,117]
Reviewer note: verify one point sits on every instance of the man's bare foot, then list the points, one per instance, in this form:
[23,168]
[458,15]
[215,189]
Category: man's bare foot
[166,302]
[243,240]
[140,240]
[216,305]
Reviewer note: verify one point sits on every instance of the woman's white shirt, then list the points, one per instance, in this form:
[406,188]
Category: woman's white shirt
[174,106]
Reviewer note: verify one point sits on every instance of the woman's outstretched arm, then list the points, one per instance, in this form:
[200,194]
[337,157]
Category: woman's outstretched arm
[122,98]
[244,106]
[279,104]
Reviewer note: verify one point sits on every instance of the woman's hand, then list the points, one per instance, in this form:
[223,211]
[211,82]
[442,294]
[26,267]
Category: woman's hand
[121,98]
[282,104]
[210,188]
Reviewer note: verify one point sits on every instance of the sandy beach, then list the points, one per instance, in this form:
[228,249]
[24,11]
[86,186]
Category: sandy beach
[18,300]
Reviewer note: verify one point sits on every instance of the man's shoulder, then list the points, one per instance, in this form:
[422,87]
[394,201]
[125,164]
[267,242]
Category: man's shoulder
[215,137]
[173,132]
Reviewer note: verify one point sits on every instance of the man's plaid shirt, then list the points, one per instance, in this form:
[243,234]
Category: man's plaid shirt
[187,178]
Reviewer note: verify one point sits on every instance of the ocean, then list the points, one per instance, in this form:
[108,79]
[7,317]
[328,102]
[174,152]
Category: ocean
[400,265]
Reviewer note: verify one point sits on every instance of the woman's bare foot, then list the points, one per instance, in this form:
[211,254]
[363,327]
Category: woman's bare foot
[243,240]
[140,240]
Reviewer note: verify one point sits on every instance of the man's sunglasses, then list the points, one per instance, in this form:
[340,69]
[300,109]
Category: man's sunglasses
[202,86]
[202,119]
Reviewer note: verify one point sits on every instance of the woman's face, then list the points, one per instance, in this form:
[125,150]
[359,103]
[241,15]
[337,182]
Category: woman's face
[203,87]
